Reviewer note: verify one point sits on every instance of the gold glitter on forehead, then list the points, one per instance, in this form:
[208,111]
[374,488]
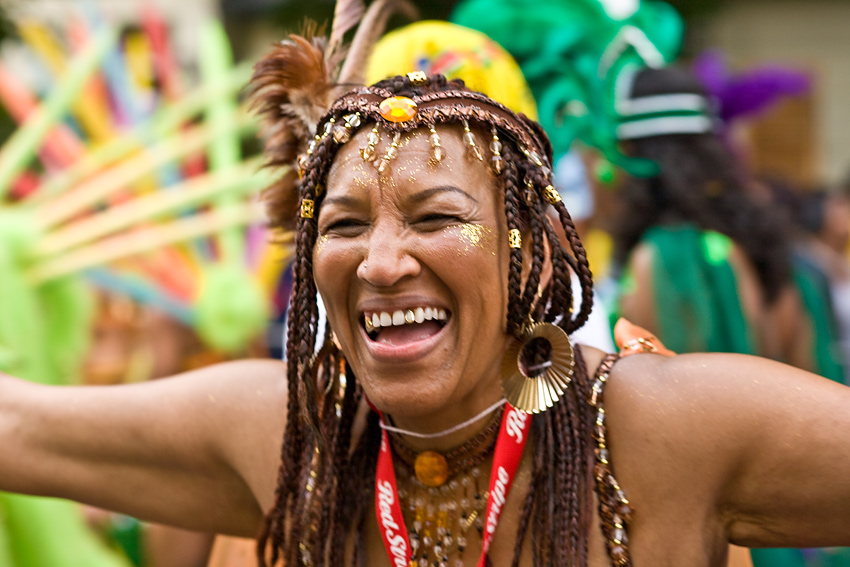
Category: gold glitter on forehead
[364,173]
[408,137]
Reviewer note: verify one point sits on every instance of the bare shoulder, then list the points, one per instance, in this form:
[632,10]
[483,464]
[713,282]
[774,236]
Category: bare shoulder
[712,424]
[249,400]
[711,385]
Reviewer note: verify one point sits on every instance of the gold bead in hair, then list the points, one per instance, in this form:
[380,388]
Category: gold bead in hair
[530,195]
[417,77]
[308,207]
[552,194]
[514,238]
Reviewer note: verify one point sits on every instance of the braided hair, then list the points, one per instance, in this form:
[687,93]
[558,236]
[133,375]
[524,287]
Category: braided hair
[325,484]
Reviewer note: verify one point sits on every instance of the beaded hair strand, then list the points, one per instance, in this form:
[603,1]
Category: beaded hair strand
[324,489]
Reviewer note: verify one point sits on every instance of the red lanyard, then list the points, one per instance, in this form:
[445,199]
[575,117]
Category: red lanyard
[513,435]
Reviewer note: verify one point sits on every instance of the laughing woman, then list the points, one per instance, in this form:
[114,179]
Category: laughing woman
[445,419]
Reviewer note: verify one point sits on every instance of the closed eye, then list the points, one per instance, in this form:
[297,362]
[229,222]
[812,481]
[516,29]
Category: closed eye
[436,221]
[346,227]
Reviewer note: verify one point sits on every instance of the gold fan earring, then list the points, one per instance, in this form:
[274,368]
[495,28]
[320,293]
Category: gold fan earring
[536,388]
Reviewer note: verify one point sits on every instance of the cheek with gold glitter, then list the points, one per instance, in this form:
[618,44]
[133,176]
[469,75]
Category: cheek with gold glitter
[321,243]
[472,237]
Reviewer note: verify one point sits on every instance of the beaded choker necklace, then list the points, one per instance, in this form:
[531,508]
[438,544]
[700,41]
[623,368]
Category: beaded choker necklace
[442,516]
[443,495]
[432,469]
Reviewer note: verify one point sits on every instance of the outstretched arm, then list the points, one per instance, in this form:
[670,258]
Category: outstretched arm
[198,451]
[752,451]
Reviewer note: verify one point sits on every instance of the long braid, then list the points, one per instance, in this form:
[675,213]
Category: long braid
[314,526]
[345,474]
[291,457]
[535,214]
[302,323]
[582,266]
[516,319]
[329,385]
[582,383]
[561,294]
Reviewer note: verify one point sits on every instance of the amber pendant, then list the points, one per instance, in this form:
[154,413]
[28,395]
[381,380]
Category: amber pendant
[431,468]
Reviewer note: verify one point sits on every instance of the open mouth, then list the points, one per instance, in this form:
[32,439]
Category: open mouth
[405,326]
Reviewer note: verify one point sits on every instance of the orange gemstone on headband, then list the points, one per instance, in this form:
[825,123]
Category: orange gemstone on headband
[398,109]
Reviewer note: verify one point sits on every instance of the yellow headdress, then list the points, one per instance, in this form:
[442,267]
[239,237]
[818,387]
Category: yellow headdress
[455,51]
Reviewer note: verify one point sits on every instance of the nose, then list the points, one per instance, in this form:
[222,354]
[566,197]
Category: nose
[388,257]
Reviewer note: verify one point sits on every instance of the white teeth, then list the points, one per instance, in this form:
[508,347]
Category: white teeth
[403,317]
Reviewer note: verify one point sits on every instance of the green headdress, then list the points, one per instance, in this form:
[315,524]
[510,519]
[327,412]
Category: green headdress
[575,55]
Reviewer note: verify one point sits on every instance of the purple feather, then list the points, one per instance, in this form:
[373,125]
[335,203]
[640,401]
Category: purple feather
[749,93]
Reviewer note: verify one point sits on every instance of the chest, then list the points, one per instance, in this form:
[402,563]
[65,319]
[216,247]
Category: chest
[514,524]
[656,538]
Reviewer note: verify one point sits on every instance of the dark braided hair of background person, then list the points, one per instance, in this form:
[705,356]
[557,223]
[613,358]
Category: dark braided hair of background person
[700,182]
[325,490]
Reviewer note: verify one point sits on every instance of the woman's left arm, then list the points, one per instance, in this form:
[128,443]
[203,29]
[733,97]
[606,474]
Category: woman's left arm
[766,447]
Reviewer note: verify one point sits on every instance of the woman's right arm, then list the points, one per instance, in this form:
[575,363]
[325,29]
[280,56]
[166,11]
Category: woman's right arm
[198,451]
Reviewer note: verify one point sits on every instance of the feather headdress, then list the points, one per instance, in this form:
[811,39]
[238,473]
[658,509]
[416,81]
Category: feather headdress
[296,82]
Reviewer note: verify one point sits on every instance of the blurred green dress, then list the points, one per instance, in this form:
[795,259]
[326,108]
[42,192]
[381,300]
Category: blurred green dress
[698,310]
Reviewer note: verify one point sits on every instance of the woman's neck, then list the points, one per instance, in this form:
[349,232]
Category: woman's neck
[449,431]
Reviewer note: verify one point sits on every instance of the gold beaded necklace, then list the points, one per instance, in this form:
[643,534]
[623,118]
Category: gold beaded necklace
[443,496]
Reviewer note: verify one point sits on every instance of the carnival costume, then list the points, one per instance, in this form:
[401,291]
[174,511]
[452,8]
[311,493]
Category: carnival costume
[444,500]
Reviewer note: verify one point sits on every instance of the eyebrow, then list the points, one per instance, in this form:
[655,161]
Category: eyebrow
[348,201]
[342,200]
[427,193]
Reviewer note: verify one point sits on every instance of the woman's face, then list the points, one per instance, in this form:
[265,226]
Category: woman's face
[425,242]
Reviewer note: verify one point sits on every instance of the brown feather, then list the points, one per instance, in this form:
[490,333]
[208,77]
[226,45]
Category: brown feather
[293,81]
[371,29]
[347,14]
[293,86]
[291,89]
